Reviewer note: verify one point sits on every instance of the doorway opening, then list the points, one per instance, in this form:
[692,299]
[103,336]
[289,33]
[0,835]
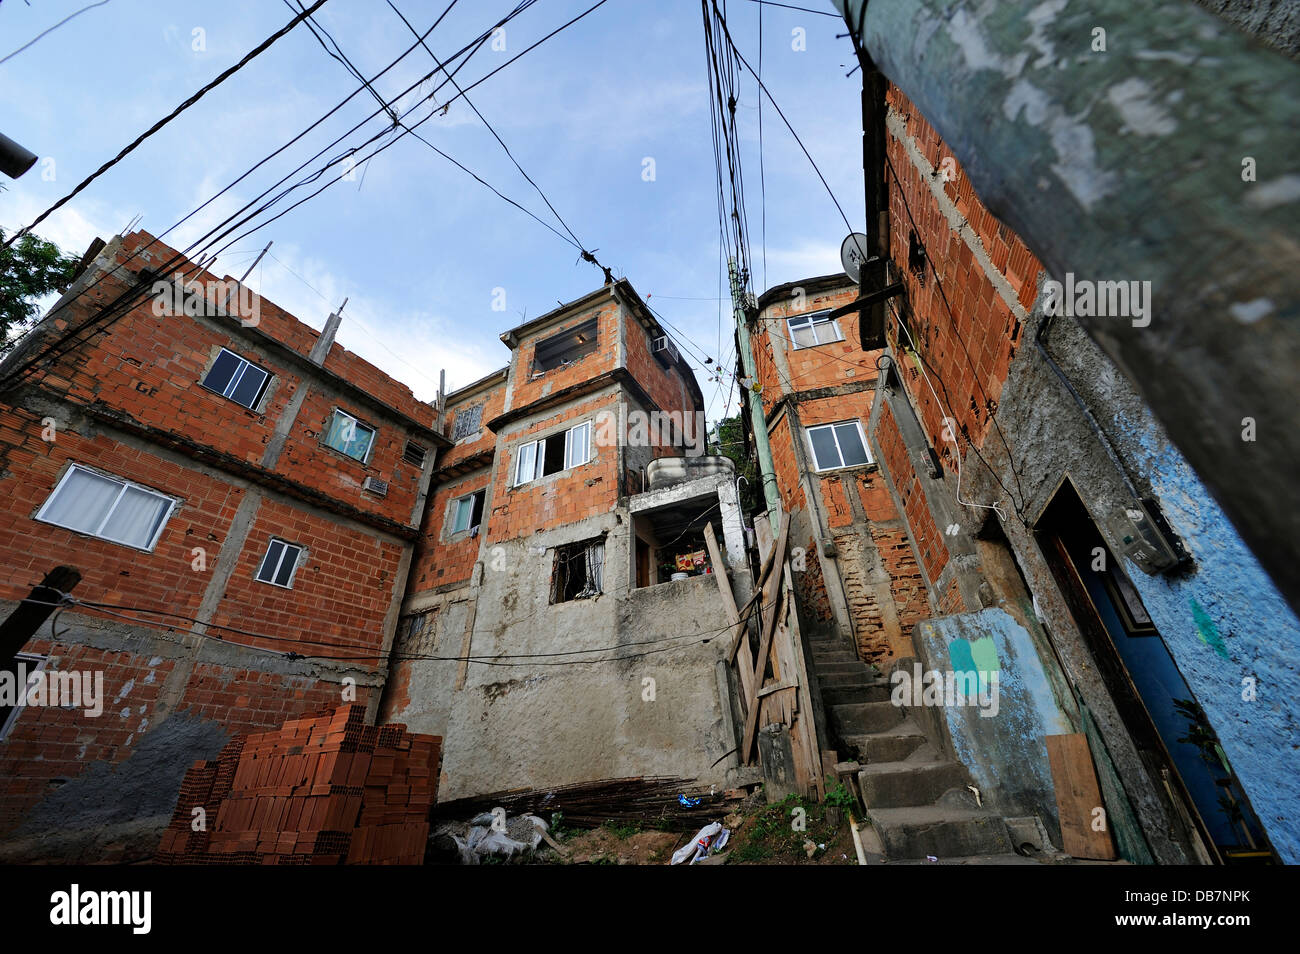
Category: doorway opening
[1160,711]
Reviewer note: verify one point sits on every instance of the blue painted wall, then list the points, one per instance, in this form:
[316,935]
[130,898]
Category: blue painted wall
[1225,625]
[1006,753]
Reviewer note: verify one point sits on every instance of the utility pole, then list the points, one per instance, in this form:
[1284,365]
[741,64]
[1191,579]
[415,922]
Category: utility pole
[758,421]
[21,626]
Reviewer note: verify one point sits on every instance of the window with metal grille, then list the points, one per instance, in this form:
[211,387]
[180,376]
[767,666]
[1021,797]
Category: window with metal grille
[838,445]
[237,378]
[468,420]
[107,507]
[809,330]
[279,564]
[579,571]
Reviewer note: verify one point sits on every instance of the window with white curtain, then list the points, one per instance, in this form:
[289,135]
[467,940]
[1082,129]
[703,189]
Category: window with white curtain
[579,571]
[107,507]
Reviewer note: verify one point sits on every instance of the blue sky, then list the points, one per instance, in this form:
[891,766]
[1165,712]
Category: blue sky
[416,245]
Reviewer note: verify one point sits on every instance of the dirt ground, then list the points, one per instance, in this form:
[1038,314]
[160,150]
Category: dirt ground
[792,832]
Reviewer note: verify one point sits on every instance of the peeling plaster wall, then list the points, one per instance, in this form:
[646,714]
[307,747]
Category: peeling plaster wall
[1224,623]
[550,720]
[1004,751]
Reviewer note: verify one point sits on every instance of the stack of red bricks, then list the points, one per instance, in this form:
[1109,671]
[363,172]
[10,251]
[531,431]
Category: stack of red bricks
[325,789]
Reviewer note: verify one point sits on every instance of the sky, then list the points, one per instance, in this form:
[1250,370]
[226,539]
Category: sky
[610,117]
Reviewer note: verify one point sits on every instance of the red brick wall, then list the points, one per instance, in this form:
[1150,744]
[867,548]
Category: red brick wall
[970,349]
[561,498]
[438,560]
[285,328]
[341,591]
[49,743]
[664,385]
[928,537]
[603,359]
[149,367]
[493,401]
[29,470]
[818,366]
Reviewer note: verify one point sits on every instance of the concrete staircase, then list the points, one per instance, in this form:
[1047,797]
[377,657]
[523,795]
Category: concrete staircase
[917,800]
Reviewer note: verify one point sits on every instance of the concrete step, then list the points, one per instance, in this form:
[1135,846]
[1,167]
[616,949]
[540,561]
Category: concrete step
[862,718]
[821,659]
[843,695]
[860,676]
[863,672]
[1005,859]
[823,647]
[901,742]
[910,783]
[939,830]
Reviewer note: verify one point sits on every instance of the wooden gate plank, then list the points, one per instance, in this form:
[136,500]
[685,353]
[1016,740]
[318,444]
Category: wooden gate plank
[1078,796]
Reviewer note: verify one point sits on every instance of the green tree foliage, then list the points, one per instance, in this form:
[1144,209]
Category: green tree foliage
[731,443]
[30,269]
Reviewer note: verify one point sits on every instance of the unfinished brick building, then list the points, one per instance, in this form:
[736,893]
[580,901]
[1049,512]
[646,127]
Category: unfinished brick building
[242,496]
[542,635]
[988,492]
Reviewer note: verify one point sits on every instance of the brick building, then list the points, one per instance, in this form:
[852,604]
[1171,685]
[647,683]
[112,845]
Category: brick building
[991,479]
[244,498]
[543,560]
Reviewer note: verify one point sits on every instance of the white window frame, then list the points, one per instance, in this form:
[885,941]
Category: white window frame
[526,452]
[21,704]
[465,500]
[125,484]
[813,321]
[571,452]
[531,456]
[358,423]
[237,377]
[298,549]
[812,448]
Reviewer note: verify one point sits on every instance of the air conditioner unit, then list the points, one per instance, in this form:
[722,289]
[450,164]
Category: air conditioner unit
[665,351]
[375,486]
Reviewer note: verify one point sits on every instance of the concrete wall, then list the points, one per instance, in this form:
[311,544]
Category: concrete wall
[1020,434]
[1004,750]
[553,719]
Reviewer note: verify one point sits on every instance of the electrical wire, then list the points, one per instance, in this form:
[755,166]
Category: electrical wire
[186,104]
[470,47]
[51,30]
[952,321]
[130,298]
[123,611]
[495,136]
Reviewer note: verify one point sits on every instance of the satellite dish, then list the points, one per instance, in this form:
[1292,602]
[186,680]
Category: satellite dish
[852,254]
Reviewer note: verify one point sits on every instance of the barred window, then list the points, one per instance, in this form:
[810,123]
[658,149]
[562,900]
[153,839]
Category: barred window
[468,420]
[579,571]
